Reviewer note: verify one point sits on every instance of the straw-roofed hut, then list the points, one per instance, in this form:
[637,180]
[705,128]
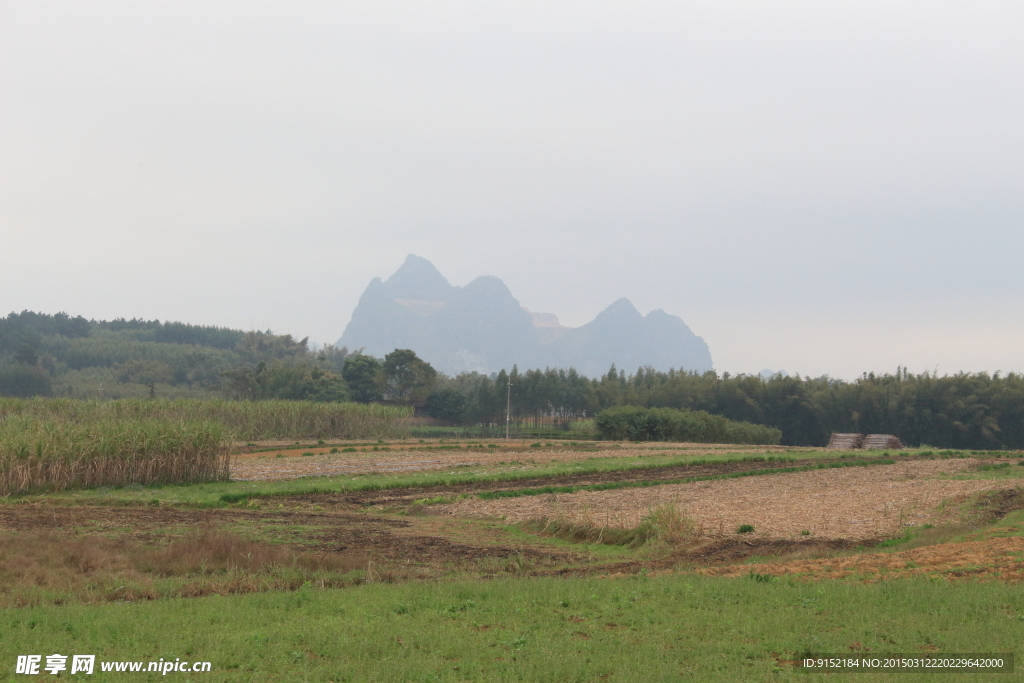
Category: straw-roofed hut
[846,442]
[882,442]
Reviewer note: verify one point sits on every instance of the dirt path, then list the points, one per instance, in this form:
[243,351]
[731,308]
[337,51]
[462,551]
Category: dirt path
[851,503]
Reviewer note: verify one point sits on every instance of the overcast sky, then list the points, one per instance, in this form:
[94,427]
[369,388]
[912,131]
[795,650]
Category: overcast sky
[824,187]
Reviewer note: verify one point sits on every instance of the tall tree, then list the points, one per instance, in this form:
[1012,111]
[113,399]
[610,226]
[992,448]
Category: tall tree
[406,377]
[363,374]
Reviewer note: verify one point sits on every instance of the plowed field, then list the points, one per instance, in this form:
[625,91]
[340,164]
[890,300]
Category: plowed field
[852,503]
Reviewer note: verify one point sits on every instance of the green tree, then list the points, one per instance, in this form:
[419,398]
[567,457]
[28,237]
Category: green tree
[26,354]
[447,404]
[332,358]
[242,383]
[288,381]
[144,372]
[363,376]
[24,381]
[406,377]
[326,387]
[255,346]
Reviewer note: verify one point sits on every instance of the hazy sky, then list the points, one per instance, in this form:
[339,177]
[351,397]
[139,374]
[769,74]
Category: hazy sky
[825,187]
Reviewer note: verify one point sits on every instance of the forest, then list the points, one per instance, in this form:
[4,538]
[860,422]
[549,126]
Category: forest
[60,355]
[57,355]
[976,411]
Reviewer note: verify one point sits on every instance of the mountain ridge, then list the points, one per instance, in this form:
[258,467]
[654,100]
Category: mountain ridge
[482,327]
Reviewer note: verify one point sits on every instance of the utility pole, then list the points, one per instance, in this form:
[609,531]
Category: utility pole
[508,406]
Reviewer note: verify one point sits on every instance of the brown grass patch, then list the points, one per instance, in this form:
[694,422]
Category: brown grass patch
[992,557]
[42,567]
[666,525]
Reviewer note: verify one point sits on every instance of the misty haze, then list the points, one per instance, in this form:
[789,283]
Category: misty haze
[523,342]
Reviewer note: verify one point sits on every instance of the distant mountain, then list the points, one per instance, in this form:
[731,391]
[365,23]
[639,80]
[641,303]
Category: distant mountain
[620,335]
[482,327]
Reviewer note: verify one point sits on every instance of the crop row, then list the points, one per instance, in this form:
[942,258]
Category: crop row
[55,444]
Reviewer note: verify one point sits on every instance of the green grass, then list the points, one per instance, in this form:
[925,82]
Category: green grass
[996,471]
[666,628]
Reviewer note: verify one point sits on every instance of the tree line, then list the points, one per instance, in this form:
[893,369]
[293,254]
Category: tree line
[59,355]
[43,354]
[966,410]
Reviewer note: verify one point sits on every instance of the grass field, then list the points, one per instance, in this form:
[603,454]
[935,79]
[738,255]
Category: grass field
[642,629]
[393,570]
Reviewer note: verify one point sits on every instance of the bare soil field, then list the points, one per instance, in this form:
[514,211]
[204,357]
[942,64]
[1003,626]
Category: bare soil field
[390,498]
[291,462]
[852,503]
[994,555]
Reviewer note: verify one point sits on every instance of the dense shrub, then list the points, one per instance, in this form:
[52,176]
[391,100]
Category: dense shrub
[447,404]
[668,424]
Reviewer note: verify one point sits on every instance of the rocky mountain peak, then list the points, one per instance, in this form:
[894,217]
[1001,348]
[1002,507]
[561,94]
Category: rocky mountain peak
[417,279]
[481,327]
